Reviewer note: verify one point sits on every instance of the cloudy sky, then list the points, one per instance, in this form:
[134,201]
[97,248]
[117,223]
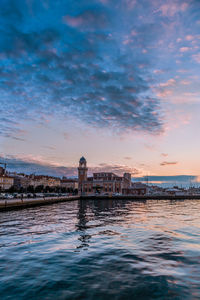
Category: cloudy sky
[115,81]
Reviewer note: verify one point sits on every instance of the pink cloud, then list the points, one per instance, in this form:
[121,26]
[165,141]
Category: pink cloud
[87,20]
[189,37]
[74,21]
[168,163]
[164,94]
[171,8]
[164,154]
[170,82]
[134,33]
[185,82]
[176,120]
[126,42]
[184,49]
[158,71]
[130,3]
[182,71]
[185,98]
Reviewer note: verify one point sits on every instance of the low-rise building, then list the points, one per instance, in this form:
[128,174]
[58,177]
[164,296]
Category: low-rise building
[21,181]
[42,180]
[69,183]
[136,188]
[6,182]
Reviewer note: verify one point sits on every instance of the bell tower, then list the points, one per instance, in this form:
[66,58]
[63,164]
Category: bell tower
[82,173]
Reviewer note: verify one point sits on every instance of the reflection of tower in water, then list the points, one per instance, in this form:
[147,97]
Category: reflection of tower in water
[81,226]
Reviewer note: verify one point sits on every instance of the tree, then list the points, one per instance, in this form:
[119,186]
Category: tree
[63,189]
[47,189]
[30,189]
[12,189]
[21,190]
[57,189]
[39,188]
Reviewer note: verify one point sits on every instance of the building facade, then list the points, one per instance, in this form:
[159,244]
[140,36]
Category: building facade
[21,181]
[6,182]
[42,180]
[69,183]
[136,189]
[106,183]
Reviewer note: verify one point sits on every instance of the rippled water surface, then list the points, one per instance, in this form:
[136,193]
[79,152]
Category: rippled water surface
[102,249]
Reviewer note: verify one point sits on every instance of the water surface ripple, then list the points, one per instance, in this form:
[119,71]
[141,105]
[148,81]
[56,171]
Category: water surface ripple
[106,249]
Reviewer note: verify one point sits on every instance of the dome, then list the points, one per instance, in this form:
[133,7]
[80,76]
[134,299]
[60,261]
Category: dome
[82,159]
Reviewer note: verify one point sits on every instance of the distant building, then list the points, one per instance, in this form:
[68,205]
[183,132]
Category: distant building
[6,181]
[69,183]
[21,180]
[102,182]
[38,180]
[175,191]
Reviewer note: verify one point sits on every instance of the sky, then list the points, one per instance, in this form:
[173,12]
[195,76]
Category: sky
[115,81]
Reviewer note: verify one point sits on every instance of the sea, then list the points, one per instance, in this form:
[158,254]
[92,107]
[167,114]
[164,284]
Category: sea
[101,249]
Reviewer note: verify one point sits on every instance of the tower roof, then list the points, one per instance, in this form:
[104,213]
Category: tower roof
[82,159]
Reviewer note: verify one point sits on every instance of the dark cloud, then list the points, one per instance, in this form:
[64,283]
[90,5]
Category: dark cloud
[74,59]
[117,169]
[29,165]
[10,129]
[168,163]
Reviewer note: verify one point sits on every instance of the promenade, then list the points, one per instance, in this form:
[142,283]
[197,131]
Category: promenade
[27,202]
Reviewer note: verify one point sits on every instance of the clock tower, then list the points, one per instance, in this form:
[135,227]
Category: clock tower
[82,173]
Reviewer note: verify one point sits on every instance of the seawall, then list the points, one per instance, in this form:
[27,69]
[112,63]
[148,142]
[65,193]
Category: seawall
[28,202]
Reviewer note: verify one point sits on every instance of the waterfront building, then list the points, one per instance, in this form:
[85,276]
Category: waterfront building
[44,180]
[101,182]
[6,182]
[21,180]
[175,191]
[136,188]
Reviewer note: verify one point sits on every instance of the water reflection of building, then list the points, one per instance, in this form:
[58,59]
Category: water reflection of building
[102,182]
